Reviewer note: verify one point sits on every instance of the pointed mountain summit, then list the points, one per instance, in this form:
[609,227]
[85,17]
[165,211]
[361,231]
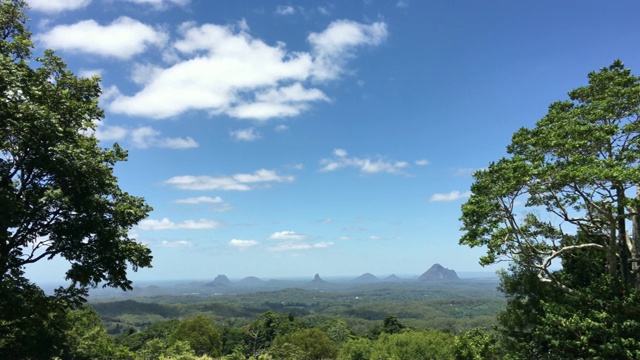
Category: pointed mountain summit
[220,280]
[392,278]
[317,282]
[438,273]
[366,278]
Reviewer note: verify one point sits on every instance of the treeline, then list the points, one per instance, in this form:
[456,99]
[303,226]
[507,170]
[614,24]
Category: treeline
[271,336]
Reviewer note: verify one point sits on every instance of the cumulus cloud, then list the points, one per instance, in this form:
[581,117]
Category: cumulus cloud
[242,244]
[336,44]
[56,6]
[422,162]
[365,165]
[452,196]
[200,200]
[166,224]
[288,235]
[224,70]
[238,182]
[89,73]
[249,134]
[122,39]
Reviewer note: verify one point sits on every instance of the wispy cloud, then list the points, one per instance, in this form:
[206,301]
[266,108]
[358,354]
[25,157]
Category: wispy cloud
[200,200]
[238,182]
[293,246]
[288,235]
[285,10]
[365,165]
[249,134]
[166,224]
[452,196]
[177,243]
[422,162]
[242,244]
[143,137]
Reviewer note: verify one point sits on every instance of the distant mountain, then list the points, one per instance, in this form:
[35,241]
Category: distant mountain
[366,278]
[392,278]
[251,281]
[219,281]
[317,282]
[438,273]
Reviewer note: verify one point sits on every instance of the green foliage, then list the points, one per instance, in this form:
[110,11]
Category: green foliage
[414,345]
[87,338]
[575,173]
[200,334]
[356,349]
[58,194]
[304,344]
[476,344]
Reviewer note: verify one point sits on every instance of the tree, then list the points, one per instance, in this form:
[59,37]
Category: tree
[562,208]
[59,197]
[576,170]
[200,333]
[304,344]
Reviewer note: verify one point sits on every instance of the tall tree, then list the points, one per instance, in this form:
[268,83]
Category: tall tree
[576,170]
[59,197]
[562,208]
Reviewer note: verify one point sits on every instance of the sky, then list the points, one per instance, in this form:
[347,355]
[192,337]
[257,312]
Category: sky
[288,138]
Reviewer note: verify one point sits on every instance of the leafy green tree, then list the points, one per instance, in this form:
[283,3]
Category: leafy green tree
[261,333]
[577,175]
[356,349]
[201,335]
[58,194]
[87,338]
[414,345]
[304,344]
[476,344]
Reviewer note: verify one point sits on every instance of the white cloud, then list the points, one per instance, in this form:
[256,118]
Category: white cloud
[200,200]
[452,196]
[145,137]
[464,171]
[242,244]
[224,70]
[336,44]
[344,238]
[249,134]
[178,243]
[239,182]
[366,165]
[166,224]
[402,3]
[122,39]
[110,133]
[56,6]
[422,162]
[160,4]
[293,246]
[325,221]
[281,128]
[288,236]
[374,237]
[285,10]
[89,73]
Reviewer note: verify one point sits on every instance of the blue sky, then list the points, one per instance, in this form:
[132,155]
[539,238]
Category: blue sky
[288,138]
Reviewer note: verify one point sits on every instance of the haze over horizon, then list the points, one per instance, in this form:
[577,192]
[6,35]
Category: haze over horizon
[286,138]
